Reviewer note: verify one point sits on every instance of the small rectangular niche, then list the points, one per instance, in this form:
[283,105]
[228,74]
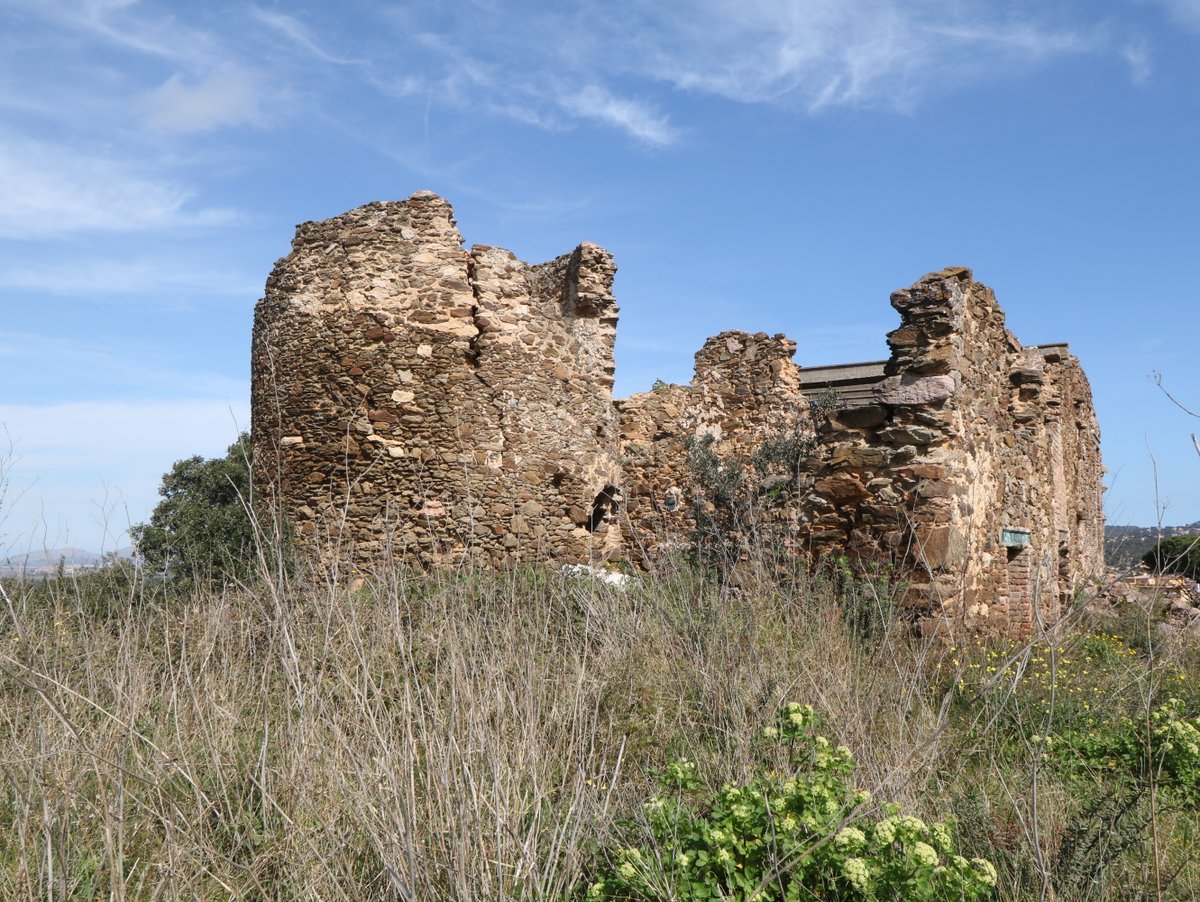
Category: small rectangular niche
[1011,537]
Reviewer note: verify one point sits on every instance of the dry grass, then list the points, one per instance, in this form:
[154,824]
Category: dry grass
[456,736]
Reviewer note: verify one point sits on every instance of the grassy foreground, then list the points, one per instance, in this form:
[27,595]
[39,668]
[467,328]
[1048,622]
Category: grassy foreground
[472,736]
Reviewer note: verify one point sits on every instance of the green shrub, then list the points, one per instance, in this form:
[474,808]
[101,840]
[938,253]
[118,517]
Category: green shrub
[740,500]
[201,529]
[1085,719]
[1115,767]
[781,837]
[1164,752]
[1178,554]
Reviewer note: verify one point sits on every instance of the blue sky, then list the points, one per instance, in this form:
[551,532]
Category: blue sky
[775,166]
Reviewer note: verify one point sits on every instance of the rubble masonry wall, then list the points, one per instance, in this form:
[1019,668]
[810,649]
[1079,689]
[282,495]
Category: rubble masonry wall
[413,399]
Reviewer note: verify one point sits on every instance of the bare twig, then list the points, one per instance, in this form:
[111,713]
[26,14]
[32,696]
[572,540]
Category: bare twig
[1158,380]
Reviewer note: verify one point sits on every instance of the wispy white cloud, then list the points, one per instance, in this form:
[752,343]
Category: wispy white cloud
[49,191]
[129,370]
[13,99]
[632,116]
[1137,54]
[1186,12]
[1026,38]
[88,435]
[520,86]
[230,96]
[82,472]
[821,53]
[534,66]
[299,34]
[129,25]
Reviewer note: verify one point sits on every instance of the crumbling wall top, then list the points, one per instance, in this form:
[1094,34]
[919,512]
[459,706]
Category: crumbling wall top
[401,257]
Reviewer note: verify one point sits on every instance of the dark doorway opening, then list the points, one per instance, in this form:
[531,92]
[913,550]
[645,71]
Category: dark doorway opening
[605,506]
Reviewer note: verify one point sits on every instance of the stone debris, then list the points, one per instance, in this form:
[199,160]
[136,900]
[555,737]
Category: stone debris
[1170,602]
[414,399]
[621,581]
[1168,595]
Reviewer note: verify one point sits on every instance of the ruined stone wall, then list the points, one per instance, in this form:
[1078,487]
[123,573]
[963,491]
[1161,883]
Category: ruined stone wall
[416,400]
[876,487]
[746,390]
[413,399]
[967,441]
[1025,524]
[1044,478]
[977,470]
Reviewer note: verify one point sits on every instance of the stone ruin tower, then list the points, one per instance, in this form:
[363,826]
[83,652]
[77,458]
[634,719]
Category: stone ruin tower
[413,399]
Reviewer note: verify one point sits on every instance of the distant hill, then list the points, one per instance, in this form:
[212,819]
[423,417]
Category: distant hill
[45,561]
[1125,545]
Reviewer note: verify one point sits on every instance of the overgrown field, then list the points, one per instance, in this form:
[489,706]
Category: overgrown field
[530,736]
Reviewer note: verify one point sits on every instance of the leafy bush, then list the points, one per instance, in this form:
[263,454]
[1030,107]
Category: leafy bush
[201,529]
[1084,717]
[738,498]
[741,500]
[1127,761]
[1178,554]
[866,597]
[784,837]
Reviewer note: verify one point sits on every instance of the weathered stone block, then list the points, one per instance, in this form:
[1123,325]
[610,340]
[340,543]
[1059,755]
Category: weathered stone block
[860,457]
[841,487]
[909,435]
[907,390]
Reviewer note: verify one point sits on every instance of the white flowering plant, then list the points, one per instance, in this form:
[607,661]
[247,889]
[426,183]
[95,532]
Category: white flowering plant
[783,837]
